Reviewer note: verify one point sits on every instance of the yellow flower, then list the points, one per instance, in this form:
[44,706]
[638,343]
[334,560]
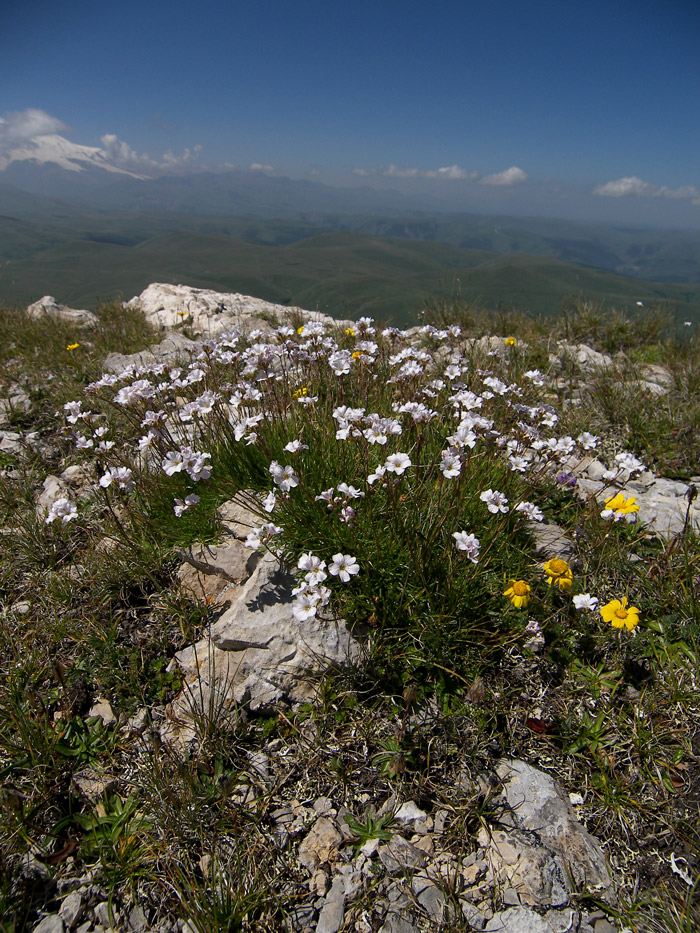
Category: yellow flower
[299,392]
[300,330]
[356,355]
[559,572]
[518,593]
[511,342]
[620,615]
[349,331]
[621,506]
[72,346]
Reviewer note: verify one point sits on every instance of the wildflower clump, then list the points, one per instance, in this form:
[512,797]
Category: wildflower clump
[399,476]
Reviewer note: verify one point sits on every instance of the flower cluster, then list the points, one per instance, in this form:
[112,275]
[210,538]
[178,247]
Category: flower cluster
[405,437]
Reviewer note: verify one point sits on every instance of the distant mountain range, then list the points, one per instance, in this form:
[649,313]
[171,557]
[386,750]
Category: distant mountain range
[54,167]
[79,225]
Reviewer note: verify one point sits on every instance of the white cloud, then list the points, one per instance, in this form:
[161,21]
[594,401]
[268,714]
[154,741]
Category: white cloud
[511,176]
[623,187]
[633,186]
[20,127]
[395,172]
[122,155]
[257,167]
[451,172]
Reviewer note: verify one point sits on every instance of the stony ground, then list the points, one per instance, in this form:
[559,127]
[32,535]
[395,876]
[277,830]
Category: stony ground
[298,795]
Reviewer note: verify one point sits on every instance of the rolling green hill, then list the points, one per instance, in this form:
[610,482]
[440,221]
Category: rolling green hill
[85,258]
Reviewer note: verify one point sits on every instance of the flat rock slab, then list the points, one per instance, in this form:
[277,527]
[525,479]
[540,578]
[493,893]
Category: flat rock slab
[169,350]
[525,920]
[663,503]
[536,805]
[536,874]
[212,572]
[256,654]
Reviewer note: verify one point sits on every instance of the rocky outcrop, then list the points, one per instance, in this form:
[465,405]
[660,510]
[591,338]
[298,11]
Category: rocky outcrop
[208,312]
[256,655]
[48,306]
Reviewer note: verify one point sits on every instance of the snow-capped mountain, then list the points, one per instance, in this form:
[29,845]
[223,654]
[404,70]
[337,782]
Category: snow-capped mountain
[56,150]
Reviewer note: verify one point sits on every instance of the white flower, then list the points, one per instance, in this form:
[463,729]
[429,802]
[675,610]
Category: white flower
[468,543]
[450,465]
[172,462]
[530,510]
[120,475]
[518,464]
[378,474]
[295,446]
[136,392]
[314,568]
[206,401]
[588,441]
[495,501]
[563,445]
[260,536]
[63,509]
[348,515]
[284,476]
[340,362]
[397,463]
[463,437]
[344,566]
[629,462]
[585,601]
[74,412]
[305,606]
[270,501]
[349,491]
[326,496]
[195,463]
[533,627]
[183,506]
[500,387]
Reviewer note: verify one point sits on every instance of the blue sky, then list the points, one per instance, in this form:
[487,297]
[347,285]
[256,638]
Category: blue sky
[533,105]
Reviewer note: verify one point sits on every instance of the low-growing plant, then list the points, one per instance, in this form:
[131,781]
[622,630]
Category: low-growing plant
[403,477]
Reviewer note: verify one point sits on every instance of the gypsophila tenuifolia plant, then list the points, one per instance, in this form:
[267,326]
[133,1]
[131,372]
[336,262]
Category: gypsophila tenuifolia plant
[396,472]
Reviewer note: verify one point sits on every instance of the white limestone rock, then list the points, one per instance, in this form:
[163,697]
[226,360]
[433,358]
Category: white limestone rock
[208,312]
[525,920]
[586,357]
[169,350]
[538,806]
[211,572]
[662,502]
[48,306]
[256,654]
[320,846]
